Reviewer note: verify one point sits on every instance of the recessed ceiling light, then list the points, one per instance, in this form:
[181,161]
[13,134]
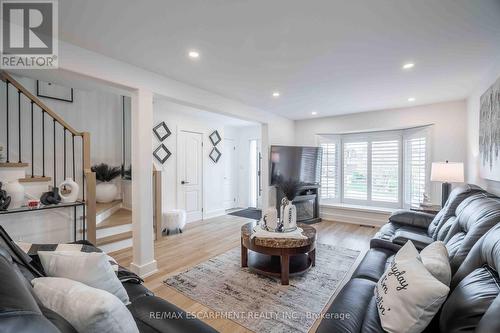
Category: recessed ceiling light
[314,113]
[408,65]
[411,99]
[194,54]
[276,94]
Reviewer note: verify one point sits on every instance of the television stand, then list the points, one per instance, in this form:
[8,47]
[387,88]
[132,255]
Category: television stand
[306,201]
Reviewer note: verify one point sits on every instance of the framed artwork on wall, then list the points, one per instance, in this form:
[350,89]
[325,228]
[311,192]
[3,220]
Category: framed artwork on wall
[161,131]
[54,91]
[215,155]
[489,133]
[162,153]
[215,138]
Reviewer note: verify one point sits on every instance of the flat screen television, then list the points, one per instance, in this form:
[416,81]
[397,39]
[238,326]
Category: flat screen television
[302,164]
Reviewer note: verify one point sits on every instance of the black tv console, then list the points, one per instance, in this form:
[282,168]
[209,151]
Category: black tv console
[306,201]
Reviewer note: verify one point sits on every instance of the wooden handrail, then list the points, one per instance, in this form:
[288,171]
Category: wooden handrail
[157,202]
[4,76]
[90,199]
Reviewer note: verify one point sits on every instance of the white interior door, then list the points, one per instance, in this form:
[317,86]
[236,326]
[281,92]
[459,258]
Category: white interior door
[230,174]
[190,174]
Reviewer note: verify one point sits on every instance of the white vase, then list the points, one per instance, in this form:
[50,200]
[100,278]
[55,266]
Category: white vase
[16,192]
[105,192]
[289,215]
[68,190]
[271,219]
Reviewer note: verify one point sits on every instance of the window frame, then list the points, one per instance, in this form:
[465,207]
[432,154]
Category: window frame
[401,136]
[370,137]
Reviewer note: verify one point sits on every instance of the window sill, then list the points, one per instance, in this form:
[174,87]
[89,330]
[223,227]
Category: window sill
[359,208]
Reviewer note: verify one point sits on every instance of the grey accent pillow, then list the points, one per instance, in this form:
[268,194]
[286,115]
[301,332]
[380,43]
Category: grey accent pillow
[407,295]
[435,258]
[87,309]
[92,269]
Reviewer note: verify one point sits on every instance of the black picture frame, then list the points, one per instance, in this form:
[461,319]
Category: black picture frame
[161,131]
[215,138]
[215,155]
[165,153]
[39,94]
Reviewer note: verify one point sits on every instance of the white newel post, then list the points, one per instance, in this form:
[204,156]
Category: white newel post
[143,262]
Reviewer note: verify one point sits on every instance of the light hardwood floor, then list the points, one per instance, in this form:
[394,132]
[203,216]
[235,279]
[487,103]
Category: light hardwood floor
[206,239]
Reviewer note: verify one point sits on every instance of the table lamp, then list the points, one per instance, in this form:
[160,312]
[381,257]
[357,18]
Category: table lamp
[447,173]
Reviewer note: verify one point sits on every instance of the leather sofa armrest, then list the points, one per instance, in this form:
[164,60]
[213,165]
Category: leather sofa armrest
[411,218]
[161,316]
[420,241]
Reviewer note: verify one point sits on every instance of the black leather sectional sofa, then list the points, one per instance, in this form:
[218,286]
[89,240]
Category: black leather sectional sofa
[20,312]
[469,225]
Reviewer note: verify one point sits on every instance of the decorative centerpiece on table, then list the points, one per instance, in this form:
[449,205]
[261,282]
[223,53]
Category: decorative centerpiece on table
[106,191]
[288,212]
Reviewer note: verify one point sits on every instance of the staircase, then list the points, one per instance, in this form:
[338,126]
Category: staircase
[114,226]
[41,150]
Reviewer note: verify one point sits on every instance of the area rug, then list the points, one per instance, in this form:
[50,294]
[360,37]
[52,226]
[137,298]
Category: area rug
[262,304]
[250,213]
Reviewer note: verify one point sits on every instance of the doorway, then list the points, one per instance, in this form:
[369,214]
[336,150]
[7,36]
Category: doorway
[230,174]
[190,174]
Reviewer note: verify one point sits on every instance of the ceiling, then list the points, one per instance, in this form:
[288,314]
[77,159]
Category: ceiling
[329,56]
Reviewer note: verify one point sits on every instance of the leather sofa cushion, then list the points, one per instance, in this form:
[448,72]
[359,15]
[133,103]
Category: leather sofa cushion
[356,303]
[470,300]
[418,239]
[412,218]
[19,311]
[135,290]
[373,264]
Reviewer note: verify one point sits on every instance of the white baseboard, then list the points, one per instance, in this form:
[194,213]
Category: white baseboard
[145,270]
[214,213]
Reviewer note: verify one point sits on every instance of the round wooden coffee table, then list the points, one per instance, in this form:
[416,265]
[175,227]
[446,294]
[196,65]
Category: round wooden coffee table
[279,257]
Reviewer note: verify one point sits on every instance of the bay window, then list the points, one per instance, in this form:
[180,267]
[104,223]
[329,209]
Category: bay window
[383,169]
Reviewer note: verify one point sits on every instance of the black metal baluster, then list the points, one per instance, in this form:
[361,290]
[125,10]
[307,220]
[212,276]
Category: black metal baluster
[19,121]
[32,144]
[64,137]
[54,139]
[7,123]
[43,143]
[73,151]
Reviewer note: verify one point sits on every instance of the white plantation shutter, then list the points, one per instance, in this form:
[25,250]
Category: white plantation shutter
[356,170]
[329,169]
[385,158]
[416,166]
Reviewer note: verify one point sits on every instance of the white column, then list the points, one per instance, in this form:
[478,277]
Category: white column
[143,262]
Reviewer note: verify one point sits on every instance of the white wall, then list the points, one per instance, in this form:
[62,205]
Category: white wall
[179,117]
[473,133]
[242,137]
[448,134]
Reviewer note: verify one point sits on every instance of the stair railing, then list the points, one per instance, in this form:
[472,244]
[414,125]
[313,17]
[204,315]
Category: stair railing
[88,177]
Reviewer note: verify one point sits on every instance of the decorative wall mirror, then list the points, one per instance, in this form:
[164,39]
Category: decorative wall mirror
[215,155]
[161,131]
[162,153]
[215,138]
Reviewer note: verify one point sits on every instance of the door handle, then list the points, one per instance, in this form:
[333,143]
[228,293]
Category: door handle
[184,182]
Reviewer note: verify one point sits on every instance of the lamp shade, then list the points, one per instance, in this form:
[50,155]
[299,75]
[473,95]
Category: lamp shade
[447,172]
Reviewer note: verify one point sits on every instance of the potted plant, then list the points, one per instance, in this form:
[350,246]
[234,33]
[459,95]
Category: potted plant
[288,211]
[105,191]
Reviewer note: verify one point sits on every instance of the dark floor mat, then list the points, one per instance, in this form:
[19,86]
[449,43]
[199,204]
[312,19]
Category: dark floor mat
[249,213]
